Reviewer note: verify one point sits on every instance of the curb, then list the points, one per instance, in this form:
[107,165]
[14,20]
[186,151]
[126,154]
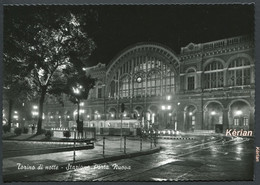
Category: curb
[47,141]
[177,138]
[61,168]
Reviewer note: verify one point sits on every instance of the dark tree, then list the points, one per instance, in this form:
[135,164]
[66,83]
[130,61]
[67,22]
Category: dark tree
[77,88]
[16,88]
[49,45]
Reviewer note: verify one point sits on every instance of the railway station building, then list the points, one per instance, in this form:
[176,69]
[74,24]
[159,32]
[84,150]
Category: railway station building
[206,87]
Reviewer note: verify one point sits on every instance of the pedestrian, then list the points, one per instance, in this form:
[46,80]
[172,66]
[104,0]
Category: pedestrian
[33,128]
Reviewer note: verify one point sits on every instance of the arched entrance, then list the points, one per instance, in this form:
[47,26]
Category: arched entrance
[213,116]
[239,115]
[189,118]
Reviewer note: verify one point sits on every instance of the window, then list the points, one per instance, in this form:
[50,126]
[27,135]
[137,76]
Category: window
[191,84]
[156,78]
[154,83]
[239,72]
[99,92]
[112,89]
[236,121]
[139,85]
[193,120]
[245,121]
[169,85]
[125,87]
[213,75]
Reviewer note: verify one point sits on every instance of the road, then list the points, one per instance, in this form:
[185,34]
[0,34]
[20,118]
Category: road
[179,160]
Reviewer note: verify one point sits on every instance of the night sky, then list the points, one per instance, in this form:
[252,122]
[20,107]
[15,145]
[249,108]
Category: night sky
[175,26]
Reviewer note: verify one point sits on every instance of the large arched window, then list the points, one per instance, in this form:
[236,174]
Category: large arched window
[125,87]
[213,75]
[143,75]
[239,72]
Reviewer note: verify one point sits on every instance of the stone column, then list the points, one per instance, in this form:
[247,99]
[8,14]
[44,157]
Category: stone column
[180,120]
[225,119]
[225,78]
[198,80]
[198,120]
[182,83]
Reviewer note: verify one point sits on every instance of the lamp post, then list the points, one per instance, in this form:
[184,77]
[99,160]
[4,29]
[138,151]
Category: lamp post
[35,112]
[76,91]
[176,121]
[167,107]
[60,121]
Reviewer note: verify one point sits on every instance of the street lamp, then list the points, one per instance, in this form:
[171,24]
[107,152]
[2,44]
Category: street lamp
[76,91]
[60,120]
[238,112]
[35,112]
[176,121]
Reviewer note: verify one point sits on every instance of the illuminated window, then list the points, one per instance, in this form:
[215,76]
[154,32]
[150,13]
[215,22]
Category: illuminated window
[245,121]
[192,120]
[239,72]
[125,87]
[139,85]
[169,82]
[154,77]
[213,75]
[236,121]
[154,83]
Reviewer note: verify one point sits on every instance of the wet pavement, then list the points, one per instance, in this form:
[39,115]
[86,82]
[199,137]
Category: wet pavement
[179,160]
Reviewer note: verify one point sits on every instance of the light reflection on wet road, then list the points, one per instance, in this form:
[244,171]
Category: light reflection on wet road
[179,160]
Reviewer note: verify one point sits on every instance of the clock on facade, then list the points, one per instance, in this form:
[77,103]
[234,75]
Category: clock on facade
[139,79]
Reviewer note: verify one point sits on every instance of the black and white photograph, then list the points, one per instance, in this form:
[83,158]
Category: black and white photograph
[128,93]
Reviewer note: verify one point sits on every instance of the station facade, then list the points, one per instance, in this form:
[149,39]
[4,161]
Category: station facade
[207,86]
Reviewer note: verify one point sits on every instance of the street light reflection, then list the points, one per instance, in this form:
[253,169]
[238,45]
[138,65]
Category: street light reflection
[239,150]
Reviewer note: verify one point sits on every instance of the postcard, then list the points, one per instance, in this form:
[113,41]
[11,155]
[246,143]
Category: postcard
[129,93]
